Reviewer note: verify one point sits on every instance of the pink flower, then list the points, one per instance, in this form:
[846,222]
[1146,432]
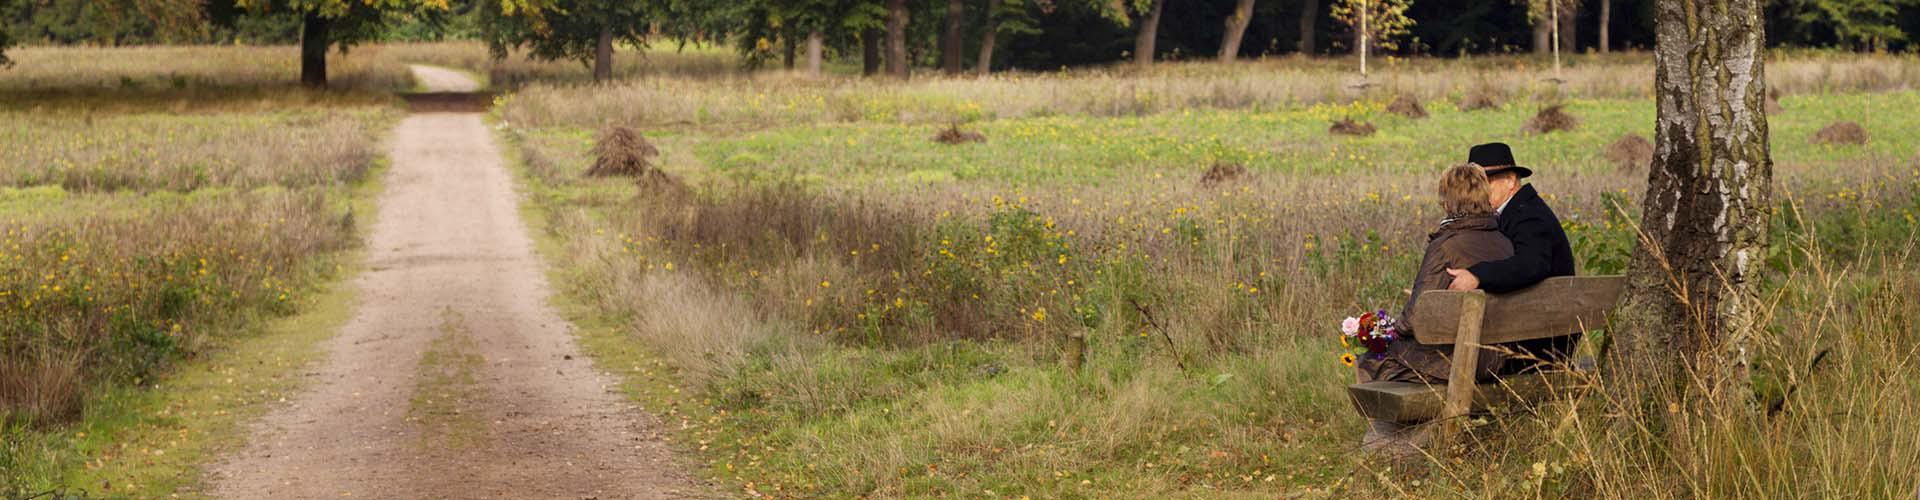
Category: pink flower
[1351,326]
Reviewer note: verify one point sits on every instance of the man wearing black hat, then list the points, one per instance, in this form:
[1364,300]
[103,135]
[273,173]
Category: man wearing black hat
[1540,248]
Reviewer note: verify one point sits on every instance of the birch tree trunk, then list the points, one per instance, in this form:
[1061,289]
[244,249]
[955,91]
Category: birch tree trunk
[1691,298]
[1236,30]
[1149,31]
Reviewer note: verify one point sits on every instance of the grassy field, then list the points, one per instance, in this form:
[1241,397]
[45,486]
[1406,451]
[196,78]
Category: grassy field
[824,302]
[836,305]
[161,207]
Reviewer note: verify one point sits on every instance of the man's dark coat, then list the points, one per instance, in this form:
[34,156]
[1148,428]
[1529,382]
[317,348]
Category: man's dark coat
[1540,251]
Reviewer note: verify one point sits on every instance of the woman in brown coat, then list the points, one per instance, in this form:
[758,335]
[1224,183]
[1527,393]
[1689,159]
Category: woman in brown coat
[1469,235]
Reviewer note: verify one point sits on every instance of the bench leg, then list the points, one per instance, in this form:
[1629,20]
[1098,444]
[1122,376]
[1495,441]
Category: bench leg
[1460,378]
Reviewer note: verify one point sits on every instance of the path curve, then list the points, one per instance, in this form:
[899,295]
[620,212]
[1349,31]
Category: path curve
[454,378]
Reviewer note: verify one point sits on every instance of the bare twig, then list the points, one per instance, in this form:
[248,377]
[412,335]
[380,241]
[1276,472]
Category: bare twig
[1175,351]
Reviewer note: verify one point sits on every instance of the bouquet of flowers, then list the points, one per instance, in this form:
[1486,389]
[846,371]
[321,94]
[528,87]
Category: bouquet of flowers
[1367,335]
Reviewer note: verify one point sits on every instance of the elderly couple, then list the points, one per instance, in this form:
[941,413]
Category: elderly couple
[1498,236]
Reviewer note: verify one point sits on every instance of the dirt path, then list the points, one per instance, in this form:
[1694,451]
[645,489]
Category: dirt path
[454,379]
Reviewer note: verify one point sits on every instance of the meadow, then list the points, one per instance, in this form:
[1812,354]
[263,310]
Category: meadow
[160,204]
[1128,288]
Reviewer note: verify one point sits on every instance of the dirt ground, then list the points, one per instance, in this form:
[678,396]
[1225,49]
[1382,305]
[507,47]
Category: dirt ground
[454,378]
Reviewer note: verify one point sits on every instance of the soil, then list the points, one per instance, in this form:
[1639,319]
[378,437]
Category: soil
[454,378]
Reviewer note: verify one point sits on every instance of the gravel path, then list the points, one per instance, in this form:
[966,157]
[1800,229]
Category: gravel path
[454,378]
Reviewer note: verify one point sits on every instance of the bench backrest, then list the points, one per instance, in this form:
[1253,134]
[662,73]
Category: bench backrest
[1555,307]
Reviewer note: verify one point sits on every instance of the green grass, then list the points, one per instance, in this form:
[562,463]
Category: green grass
[172,260]
[443,399]
[744,314]
[150,440]
[1069,150]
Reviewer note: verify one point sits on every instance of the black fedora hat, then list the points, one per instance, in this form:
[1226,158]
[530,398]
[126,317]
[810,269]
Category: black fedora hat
[1496,157]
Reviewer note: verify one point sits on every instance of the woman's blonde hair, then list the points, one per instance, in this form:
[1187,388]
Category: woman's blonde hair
[1463,191]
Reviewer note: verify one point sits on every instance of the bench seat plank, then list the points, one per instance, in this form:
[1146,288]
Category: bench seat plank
[1555,307]
[1414,402]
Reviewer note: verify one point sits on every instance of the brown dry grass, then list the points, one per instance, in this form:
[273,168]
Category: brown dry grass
[1407,106]
[1349,126]
[1841,132]
[1550,119]
[1481,97]
[1630,153]
[1222,173]
[773,98]
[93,152]
[954,135]
[622,151]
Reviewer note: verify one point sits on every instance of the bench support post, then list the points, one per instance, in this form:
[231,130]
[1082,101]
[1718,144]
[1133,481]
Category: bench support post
[1461,377]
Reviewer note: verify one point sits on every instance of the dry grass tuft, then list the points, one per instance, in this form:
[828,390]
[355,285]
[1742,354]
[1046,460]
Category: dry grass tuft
[1631,153]
[1481,97]
[1408,106]
[1841,132]
[1222,173]
[954,135]
[1553,118]
[1350,127]
[41,386]
[622,151]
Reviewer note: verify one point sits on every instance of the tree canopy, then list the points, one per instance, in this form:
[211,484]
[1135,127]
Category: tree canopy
[1030,34]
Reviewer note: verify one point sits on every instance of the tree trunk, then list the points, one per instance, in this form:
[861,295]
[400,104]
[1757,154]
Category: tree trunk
[1149,31]
[787,51]
[314,41]
[897,38]
[1364,42]
[603,56]
[1569,29]
[1691,296]
[985,64]
[1543,33]
[870,52]
[1309,12]
[816,48]
[1236,29]
[951,41]
[1606,29]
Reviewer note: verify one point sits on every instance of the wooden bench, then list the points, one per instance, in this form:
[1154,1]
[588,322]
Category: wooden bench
[1468,320]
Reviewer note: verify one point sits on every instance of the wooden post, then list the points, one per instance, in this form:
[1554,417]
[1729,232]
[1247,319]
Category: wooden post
[1461,379]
